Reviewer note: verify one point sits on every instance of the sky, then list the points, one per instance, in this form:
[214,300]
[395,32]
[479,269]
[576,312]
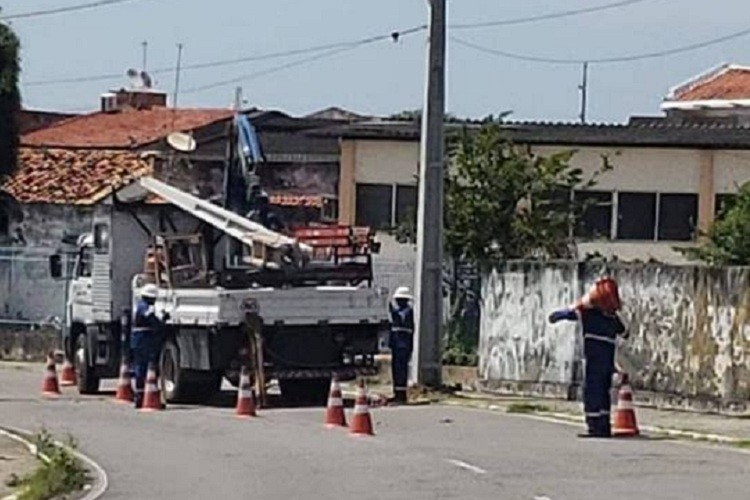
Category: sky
[385,77]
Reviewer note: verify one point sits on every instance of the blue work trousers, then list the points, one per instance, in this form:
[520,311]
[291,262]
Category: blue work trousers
[597,398]
[145,347]
[400,372]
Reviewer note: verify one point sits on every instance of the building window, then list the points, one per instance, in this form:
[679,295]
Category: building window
[374,205]
[678,216]
[724,202]
[636,216]
[406,204]
[596,219]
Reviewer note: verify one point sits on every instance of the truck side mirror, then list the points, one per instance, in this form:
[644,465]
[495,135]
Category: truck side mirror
[55,266]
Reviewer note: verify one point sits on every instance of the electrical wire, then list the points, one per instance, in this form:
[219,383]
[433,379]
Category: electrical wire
[395,35]
[603,60]
[546,17]
[341,47]
[60,10]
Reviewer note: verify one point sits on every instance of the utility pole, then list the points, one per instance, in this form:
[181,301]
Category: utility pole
[429,276]
[584,88]
[177,75]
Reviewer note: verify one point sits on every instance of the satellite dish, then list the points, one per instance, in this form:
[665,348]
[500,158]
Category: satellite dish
[181,142]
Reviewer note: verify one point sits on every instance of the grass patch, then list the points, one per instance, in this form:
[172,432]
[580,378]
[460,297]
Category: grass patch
[60,472]
[744,444]
[527,408]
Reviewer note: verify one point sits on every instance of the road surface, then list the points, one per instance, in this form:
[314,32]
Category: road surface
[419,453]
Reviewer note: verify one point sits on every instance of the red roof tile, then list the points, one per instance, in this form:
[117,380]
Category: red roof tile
[730,82]
[75,177]
[124,129]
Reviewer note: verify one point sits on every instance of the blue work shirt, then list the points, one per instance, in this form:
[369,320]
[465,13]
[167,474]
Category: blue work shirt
[402,327]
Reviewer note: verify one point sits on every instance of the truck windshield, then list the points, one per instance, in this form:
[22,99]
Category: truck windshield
[85,262]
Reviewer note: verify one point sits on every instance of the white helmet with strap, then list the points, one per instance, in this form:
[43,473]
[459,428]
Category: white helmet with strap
[150,291]
[402,292]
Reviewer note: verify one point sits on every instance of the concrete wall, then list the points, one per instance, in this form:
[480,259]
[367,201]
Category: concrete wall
[690,328]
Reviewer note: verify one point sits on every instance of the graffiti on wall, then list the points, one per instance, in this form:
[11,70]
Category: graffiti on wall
[689,326]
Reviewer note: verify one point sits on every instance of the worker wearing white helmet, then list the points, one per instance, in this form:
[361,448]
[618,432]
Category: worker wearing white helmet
[401,340]
[146,337]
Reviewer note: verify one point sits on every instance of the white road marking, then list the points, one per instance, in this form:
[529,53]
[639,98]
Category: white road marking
[542,498]
[469,467]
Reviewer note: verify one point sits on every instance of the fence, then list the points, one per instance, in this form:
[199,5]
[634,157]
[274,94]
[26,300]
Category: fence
[690,327]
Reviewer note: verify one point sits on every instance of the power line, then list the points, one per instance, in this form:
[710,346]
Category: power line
[337,49]
[60,10]
[603,60]
[545,17]
[395,35]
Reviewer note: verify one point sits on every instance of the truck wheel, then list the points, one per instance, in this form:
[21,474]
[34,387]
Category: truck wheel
[173,381]
[308,391]
[87,381]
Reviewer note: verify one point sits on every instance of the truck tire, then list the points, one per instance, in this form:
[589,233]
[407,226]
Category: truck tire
[173,383]
[185,386]
[86,379]
[308,391]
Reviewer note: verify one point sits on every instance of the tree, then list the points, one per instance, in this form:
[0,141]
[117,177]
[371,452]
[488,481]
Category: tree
[10,100]
[503,202]
[728,239]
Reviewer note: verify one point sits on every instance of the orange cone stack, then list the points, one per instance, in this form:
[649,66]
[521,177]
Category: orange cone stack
[335,413]
[124,385]
[68,374]
[625,422]
[361,421]
[245,397]
[50,387]
[152,396]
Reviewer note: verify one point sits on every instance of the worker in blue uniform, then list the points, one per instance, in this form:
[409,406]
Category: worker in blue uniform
[401,341]
[146,338]
[601,328]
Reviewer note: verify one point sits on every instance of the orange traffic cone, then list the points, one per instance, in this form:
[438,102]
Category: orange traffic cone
[335,413]
[68,374]
[152,396]
[625,422]
[361,422]
[245,397]
[124,385]
[50,386]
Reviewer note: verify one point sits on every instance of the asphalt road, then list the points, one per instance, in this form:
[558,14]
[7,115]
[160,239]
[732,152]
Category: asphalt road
[419,452]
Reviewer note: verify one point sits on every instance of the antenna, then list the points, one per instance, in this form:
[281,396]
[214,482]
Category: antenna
[177,82]
[584,88]
[144,44]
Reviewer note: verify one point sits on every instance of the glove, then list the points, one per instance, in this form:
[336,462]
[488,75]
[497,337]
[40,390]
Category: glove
[553,318]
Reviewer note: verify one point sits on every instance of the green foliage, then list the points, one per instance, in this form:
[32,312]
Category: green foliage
[728,239]
[502,202]
[10,100]
[60,472]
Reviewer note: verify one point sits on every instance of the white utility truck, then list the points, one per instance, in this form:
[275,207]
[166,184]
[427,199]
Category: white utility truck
[235,292]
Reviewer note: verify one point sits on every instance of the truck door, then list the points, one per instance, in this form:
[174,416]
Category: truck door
[81,299]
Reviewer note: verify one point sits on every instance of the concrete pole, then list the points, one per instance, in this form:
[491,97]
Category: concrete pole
[429,272]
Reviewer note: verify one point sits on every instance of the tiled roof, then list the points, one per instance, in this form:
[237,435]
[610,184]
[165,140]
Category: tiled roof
[727,82]
[124,129]
[75,177]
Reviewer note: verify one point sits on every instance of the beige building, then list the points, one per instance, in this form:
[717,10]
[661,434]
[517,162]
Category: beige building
[669,178]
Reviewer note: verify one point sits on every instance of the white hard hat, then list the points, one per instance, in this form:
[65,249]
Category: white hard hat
[150,291]
[403,292]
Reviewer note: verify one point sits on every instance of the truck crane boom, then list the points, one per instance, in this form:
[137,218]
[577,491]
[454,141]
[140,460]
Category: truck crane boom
[267,248]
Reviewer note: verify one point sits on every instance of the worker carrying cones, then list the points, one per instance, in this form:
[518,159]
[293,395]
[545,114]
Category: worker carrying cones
[597,311]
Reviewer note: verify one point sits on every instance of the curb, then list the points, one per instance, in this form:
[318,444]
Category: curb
[100,482]
[569,418]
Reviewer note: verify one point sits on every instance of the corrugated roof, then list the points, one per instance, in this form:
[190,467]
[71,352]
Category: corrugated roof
[129,128]
[72,177]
